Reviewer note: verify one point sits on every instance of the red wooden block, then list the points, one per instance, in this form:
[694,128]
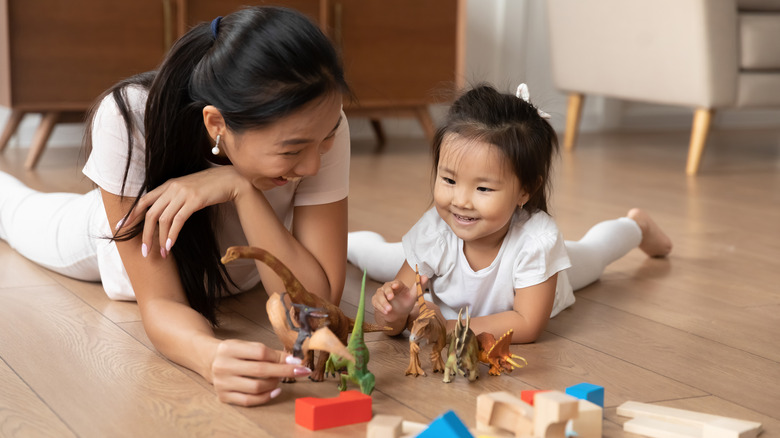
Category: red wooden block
[528,395]
[349,407]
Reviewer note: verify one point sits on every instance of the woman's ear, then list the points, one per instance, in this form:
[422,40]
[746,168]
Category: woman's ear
[213,120]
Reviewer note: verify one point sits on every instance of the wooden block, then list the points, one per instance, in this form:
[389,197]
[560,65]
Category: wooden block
[552,409]
[447,425]
[349,407]
[385,426]
[717,426]
[655,428]
[587,391]
[588,423]
[503,411]
[528,395]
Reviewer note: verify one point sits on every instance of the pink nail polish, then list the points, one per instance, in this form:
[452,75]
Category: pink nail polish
[144,250]
[119,224]
[301,371]
[168,244]
[163,253]
[292,360]
[275,393]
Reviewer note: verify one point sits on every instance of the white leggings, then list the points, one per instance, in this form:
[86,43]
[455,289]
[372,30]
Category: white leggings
[54,230]
[604,243]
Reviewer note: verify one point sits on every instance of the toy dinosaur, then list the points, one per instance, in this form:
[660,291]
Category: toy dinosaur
[463,353]
[496,353]
[428,326]
[357,369]
[338,323]
[300,339]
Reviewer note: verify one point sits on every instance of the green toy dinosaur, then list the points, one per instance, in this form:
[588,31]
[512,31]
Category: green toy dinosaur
[357,371]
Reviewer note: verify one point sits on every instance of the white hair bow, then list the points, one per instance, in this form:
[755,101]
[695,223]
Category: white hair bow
[523,93]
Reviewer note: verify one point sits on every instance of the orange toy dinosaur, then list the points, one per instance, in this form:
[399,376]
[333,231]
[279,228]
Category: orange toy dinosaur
[428,326]
[497,354]
[338,323]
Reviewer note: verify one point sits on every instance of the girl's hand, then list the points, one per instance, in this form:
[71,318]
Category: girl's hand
[394,300]
[170,205]
[247,373]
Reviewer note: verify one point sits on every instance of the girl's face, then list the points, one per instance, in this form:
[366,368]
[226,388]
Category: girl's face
[476,192]
[287,149]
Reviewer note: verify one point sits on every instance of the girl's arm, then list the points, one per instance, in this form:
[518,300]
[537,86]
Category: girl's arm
[242,372]
[532,308]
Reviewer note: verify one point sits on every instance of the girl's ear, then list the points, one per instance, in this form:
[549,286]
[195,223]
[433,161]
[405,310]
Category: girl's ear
[213,120]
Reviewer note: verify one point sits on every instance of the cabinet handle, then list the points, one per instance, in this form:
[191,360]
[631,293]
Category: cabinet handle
[337,11]
[167,24]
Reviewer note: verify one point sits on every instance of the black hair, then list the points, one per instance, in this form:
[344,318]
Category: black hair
[515,127]
[262,64]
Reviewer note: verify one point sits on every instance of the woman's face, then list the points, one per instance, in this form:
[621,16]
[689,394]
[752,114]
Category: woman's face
[287,149]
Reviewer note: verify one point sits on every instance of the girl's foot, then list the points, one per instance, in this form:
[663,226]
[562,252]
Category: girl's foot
[655,242]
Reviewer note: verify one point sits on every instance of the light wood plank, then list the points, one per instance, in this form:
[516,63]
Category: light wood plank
[22,413]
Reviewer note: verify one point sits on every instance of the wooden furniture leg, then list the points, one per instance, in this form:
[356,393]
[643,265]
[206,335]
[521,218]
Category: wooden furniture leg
[573,116]
[429,128]
[40,138]
[376,125]
[701,127]
[10,127]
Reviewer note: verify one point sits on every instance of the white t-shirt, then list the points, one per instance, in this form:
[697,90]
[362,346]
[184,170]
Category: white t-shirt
[106,166]
[532,251]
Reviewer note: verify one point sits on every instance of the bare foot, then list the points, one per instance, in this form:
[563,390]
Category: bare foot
[655,242]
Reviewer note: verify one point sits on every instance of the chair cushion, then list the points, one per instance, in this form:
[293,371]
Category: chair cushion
[758,5]
[759,39]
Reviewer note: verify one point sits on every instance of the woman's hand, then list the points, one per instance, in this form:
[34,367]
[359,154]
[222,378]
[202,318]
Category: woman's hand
[247,373]
[170,205]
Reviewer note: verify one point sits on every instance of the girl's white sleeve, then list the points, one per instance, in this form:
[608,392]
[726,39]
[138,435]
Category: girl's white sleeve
[540,258]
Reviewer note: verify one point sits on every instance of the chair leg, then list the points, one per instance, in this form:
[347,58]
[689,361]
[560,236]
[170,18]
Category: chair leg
[701,127]
[40,138]
[573,116]
[379,132]
[10,127]
[426,121]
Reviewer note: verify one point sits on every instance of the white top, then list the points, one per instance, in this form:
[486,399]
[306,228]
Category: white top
[532,251]
[106,167]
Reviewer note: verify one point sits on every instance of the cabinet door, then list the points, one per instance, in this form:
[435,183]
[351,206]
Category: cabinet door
[64,53]
[197,11]
[399,52]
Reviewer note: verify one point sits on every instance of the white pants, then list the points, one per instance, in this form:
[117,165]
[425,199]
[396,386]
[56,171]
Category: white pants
[54,230]
[604,243]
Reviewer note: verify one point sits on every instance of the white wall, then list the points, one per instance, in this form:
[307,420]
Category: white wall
[507,43]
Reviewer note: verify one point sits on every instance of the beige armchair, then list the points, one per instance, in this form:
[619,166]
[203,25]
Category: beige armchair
[702,54]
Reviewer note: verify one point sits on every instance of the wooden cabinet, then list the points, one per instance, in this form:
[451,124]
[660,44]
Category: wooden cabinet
[57,56]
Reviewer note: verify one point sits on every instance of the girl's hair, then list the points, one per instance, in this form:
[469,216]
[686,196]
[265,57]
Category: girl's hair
[515,127]
[258,65]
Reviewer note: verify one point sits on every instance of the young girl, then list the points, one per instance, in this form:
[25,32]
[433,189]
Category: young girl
[489,243]
[238,138]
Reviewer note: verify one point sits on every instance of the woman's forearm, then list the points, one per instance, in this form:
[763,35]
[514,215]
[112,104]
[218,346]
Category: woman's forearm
[263,229]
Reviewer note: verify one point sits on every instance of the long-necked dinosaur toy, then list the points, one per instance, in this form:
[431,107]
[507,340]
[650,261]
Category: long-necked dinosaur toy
[339,324]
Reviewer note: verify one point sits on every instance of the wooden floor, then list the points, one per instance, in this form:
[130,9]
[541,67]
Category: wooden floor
[699,330]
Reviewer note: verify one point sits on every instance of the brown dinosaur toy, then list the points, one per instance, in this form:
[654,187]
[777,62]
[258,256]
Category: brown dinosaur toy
[496,353]
[301,338]
[428,326]
[463,356]
[339,324]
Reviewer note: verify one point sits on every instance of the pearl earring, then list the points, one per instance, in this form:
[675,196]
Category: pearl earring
[215,149]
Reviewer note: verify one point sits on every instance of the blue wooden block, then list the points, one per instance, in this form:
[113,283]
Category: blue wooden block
[447,425]
[587,391]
